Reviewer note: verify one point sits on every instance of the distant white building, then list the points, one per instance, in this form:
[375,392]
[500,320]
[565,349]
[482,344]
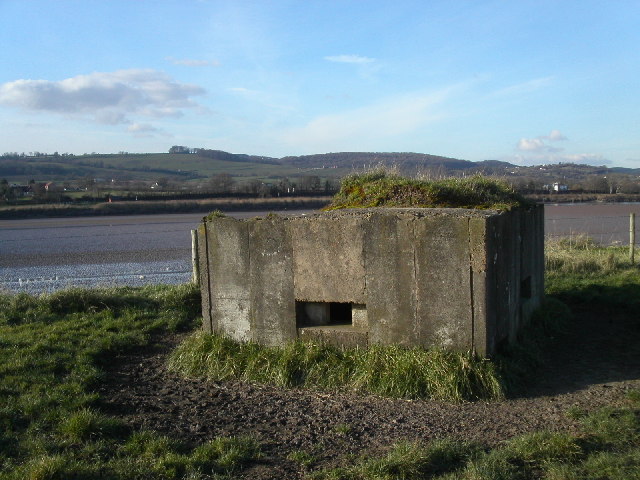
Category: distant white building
[557,187]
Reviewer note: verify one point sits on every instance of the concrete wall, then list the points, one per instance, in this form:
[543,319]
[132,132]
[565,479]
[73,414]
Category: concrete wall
[460,279]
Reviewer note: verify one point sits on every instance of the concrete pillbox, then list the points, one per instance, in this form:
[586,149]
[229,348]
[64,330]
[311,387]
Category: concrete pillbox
[456,278]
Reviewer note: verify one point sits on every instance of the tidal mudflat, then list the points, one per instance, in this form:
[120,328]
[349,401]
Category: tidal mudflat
[46,254]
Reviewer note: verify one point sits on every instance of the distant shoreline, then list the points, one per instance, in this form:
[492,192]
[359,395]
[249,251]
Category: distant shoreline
[146,207]
[151,207]
[585,197]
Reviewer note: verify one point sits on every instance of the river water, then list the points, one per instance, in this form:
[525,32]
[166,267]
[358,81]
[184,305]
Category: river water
[43,255]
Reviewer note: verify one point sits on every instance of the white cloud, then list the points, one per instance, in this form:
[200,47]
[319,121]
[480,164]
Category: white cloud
[530,144]
[190,62]
[357,59]
[106,97]
[539,151]
[556,136]
[364,127]
[540,143]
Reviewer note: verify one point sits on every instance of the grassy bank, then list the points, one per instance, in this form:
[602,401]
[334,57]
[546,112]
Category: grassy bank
[163,207]
[51,353]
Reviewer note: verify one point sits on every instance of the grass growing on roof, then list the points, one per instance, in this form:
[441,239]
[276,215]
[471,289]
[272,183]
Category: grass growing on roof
[52,349]
[380,188]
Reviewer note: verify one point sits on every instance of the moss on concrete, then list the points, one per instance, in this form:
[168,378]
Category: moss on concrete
[379,188]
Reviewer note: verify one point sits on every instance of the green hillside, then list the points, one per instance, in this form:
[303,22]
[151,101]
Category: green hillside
[150,166]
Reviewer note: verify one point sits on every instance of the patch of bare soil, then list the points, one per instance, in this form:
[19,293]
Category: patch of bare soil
[594,365]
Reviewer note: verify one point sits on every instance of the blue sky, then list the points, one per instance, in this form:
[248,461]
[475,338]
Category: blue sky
[528,82]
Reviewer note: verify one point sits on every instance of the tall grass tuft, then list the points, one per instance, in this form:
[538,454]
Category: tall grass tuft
[581,255]
[392,371]
[580,272]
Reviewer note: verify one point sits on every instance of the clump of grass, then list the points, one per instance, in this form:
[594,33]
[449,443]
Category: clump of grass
[303,458]
[380,188]
[407,460]
[392,371]
[215,214]
[87,423]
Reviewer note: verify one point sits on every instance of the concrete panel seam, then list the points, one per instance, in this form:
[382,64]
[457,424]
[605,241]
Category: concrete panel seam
[414,243]
[473,316]
[206,244]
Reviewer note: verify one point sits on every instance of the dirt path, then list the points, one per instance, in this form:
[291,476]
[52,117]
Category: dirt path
[594,365]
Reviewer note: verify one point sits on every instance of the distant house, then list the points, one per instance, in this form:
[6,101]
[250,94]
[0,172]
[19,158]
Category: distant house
[19,190]
[556,187]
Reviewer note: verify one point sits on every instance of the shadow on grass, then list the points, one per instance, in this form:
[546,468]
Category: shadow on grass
[589,334]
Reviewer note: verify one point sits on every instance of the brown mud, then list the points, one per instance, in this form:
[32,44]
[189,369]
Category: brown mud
[592,365]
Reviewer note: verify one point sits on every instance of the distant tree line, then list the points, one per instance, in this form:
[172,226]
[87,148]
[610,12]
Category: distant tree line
[222,155]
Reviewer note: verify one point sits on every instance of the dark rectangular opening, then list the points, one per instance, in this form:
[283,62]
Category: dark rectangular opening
[317,314]
[525,288]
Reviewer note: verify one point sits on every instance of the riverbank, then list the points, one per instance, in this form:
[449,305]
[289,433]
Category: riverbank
[585,198]
[164,207]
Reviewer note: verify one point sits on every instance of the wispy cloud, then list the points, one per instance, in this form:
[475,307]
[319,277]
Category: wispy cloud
[105,97]
[243,91]
[141,128]
[364,127]
[524,87]
[190,62]
[145,130]
[357,59]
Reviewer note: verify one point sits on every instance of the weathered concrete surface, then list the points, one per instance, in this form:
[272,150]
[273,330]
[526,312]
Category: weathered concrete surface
[335,271]
[227,301]
[443,282]
[270,281]
[455,278]
[359,317]
[390,277]
[336,335]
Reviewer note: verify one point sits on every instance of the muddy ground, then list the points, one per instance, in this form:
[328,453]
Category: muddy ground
[593,365]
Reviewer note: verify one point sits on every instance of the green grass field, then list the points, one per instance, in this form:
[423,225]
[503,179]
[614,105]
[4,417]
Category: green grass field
[53,349]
